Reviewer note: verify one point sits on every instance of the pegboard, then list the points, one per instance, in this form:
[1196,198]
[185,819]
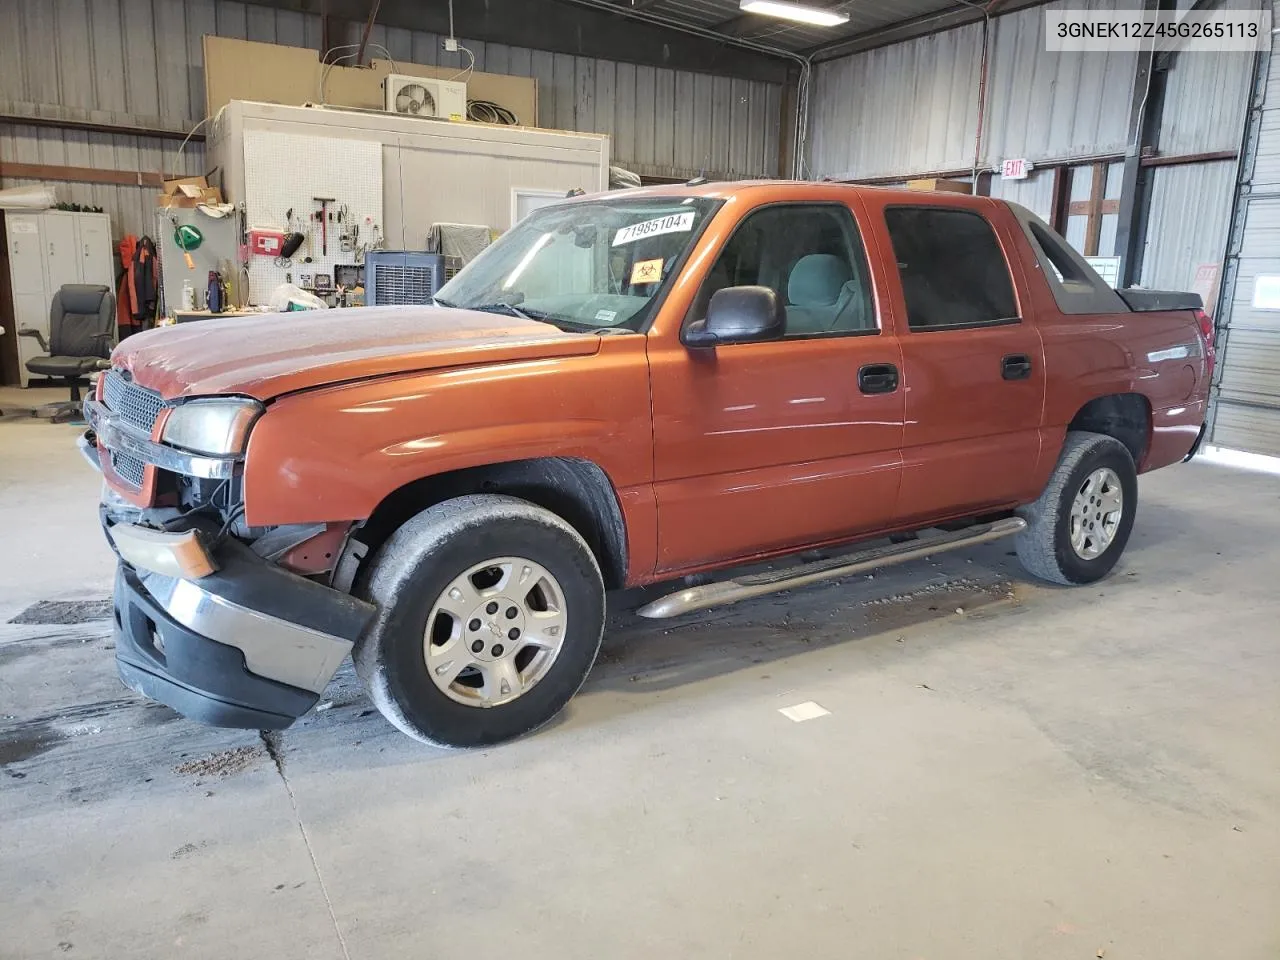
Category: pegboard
[286,170]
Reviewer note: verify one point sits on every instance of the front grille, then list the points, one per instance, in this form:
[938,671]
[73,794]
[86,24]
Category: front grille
[130,469]
[134,404]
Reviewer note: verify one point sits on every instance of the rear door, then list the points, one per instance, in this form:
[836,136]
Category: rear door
[973,365]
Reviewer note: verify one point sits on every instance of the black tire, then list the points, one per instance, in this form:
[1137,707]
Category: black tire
[1045,548]
[412,570]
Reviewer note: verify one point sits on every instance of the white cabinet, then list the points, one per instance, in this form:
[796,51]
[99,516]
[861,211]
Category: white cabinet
[97,265]
[46,251]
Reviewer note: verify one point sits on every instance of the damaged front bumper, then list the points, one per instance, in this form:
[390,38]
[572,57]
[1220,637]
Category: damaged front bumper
[249,645]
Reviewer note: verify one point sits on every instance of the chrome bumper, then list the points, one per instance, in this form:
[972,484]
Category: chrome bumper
[115,434]
[280,627]
[89,450]
[273,648]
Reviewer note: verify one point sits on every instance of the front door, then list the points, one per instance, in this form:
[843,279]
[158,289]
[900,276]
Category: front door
[760,447]
[973,366]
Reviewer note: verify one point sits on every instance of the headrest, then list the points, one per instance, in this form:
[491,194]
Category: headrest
[81,297]
[816,280]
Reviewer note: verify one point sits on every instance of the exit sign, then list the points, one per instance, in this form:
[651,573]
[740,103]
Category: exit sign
[1015,169]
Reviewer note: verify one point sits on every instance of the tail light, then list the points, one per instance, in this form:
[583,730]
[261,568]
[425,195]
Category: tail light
[1206,334]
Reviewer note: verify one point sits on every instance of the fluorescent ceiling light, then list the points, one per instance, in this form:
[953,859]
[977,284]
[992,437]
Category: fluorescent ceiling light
[795,11]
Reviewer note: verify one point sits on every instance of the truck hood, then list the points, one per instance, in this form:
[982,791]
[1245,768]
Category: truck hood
[273,354]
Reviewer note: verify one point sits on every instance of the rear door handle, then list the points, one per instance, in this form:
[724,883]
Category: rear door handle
[878,378]
[1016,366]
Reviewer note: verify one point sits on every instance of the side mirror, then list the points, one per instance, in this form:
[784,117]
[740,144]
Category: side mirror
[738,315]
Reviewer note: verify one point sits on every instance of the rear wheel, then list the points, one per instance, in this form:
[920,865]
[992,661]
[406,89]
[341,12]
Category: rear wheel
[1079,526]
[491,612]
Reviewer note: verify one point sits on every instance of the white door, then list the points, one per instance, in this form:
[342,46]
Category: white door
[97,264]
[62,251]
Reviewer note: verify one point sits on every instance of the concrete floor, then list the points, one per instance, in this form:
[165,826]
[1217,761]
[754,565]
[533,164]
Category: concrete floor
[1049,774]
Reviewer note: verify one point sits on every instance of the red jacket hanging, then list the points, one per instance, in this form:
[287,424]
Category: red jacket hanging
[124,285]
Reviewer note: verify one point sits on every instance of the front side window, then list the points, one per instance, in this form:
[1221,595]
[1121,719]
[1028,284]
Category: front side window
[590,264]
[811,256]
[953,271]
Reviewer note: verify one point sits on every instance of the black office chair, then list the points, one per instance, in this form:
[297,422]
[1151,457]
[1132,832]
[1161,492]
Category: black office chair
[82,331]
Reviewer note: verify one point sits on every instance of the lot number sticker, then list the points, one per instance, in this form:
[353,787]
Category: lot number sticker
[675,223]
[646,271]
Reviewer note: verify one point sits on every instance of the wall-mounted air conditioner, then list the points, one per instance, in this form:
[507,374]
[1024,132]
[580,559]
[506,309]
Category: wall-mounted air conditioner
[401,277]
[425,97]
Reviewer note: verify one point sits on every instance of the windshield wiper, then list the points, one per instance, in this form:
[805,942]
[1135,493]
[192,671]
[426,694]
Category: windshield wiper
[512,309]
[443,303]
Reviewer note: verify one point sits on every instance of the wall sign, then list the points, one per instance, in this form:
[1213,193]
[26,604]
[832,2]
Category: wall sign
[1108,268]
[1015,169]
[1206,284]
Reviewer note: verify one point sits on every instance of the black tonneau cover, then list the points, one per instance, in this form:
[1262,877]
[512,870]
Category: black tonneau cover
[1150,301]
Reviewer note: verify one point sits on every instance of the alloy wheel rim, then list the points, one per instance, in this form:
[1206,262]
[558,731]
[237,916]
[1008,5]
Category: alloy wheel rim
[1096,513]
[495,631]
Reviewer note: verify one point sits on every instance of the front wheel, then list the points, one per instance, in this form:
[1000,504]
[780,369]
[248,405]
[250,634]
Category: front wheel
[490,615]
[1078,528]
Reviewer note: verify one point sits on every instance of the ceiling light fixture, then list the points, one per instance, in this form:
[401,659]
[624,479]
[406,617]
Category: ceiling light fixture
[795,11]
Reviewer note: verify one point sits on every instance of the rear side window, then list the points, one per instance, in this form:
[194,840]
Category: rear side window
[953,271]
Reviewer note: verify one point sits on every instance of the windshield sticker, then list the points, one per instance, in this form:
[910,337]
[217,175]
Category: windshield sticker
[606,316]
[646,271]
[675,223]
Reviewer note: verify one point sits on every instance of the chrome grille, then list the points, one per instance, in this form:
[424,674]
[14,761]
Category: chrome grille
[134,404]
[130,469]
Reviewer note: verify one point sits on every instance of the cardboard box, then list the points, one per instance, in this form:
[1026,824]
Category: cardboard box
[187,192]
[175,185]
[937,183]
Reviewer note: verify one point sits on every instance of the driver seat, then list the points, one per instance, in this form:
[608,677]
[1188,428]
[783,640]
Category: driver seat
[820,290]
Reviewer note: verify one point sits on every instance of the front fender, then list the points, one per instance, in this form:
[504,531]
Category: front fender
[334,454]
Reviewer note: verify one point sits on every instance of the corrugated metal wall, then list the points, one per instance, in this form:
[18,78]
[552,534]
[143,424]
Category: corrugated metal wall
[912,107]
[132,208]
[1205,101]
[1187,225]
[1035,193]
[140,63]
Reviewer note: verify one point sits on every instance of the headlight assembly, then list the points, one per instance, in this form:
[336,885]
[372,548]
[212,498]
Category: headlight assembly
[218,426]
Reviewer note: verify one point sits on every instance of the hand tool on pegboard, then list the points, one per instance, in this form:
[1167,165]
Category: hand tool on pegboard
[323,216]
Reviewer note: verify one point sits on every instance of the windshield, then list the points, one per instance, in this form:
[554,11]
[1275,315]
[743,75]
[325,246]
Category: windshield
[594,264]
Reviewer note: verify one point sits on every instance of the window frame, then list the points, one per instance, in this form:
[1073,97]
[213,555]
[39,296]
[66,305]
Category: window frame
[860,243]
[1004,256]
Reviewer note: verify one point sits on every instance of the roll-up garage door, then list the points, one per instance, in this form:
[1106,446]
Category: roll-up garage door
[1247,412]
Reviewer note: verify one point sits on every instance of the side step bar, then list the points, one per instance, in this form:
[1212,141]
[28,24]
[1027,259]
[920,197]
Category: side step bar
[760,584]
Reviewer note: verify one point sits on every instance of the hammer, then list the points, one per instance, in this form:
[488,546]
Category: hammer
[323,217]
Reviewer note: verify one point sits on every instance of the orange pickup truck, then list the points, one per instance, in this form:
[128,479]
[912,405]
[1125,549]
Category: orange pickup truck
[624,389]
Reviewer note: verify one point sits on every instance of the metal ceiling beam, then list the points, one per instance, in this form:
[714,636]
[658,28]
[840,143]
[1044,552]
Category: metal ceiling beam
[579,27]
[957,16]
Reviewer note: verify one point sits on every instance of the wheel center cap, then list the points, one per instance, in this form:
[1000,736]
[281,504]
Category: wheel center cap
[495,635]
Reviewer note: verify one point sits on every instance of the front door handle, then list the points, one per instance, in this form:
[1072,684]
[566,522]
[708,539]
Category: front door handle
[878,378]
[1016,366]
